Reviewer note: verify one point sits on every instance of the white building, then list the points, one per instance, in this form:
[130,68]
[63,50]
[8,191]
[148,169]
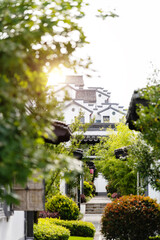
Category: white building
[95,103]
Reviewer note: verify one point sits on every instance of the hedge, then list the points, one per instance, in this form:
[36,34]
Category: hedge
[47,231]
[76,228]
[155,238]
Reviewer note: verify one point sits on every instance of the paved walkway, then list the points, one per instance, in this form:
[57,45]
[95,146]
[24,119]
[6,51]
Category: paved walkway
[96,218]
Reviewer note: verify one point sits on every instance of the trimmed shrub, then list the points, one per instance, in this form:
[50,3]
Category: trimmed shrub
[131,217]
[88,189]
[46,214]
[66,207]
[77,228]
[46,231]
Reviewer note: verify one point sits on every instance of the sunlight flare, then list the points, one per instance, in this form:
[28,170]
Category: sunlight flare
[55,77]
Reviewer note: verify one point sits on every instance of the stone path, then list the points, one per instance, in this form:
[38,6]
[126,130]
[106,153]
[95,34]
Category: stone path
[96,218]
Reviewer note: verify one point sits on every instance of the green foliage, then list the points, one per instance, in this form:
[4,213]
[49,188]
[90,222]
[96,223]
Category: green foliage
[109,195]
[80,238]
[110,188]
[121,173]
[35,36]
[71,177]
[46,231]
[52,183]
[148,148]
[65,206]
[104,15]
[86,173]
[88,189]
[149,116]
[131,217]
[77,228]
[147,164]
[155,238]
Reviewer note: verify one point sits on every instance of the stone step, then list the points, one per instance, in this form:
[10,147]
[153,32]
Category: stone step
[95,208]
[94,212]
[96,205]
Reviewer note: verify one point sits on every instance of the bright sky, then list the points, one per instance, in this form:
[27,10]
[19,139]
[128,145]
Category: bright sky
[123,48]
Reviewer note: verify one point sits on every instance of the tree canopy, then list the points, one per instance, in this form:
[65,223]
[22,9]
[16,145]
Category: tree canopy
[148,148]
[120,173]
[35,36]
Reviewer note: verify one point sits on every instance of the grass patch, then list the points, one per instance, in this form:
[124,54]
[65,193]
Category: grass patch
[80,238]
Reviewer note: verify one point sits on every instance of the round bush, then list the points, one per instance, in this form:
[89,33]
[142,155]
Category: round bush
[46,231]
[131,218]
[88,189]
[66,207]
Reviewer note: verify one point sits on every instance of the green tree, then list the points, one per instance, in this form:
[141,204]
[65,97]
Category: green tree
[120,173]
[35,36]
[147,150]
[146,163]
[72,177]
[149,116]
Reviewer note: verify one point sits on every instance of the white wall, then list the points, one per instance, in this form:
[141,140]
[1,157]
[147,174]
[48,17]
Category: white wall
[63,186]
[69,114]
[153,194]
[14,228]
[100,183]
[101,99]
[61,93]
[113,118]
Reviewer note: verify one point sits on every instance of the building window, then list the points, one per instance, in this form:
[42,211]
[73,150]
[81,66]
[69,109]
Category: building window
[98,121]
[82,120]
[106,119]
[113,113]
[99,95]
[73,109]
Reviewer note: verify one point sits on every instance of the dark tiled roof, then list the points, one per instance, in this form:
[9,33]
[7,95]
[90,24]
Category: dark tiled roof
[86,95]
[62,133]
[121,153]
[91,139]
[103,92]
[77,80]
[110,107]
